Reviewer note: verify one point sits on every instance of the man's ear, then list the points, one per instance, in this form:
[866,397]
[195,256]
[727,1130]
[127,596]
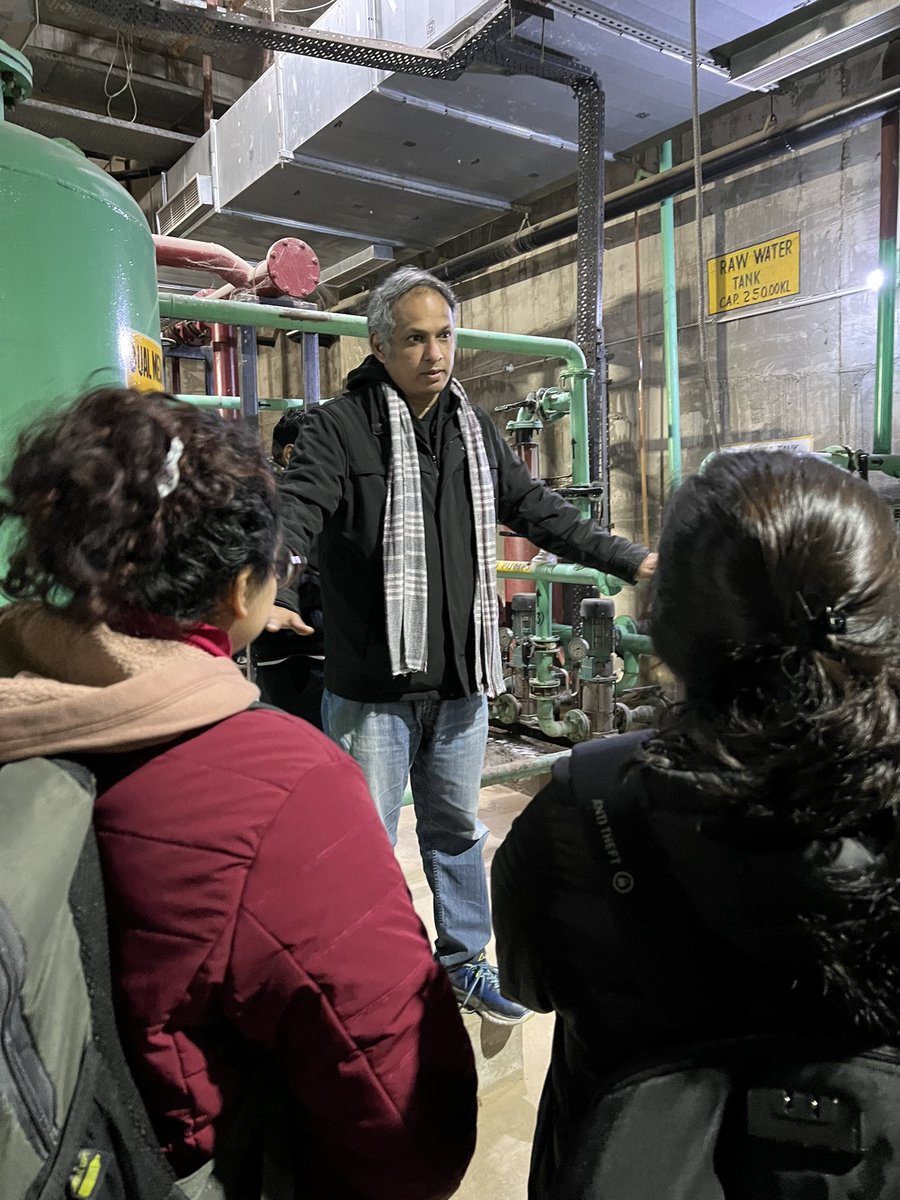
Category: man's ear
[287,452]
[376,345]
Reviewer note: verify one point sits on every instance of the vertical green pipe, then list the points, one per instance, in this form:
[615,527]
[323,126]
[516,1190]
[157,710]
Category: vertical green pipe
[578,418]
[543,626]
[670,322]
[884,348]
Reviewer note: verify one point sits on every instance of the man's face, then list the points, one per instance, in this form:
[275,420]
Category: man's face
[419,357]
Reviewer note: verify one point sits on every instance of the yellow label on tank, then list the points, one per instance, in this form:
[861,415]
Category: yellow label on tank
[145,364]
[754,274]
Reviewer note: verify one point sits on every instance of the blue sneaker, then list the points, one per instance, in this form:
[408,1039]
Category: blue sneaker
[477,988]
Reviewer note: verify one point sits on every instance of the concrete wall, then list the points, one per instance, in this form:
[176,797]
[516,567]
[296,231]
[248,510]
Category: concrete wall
[807,368]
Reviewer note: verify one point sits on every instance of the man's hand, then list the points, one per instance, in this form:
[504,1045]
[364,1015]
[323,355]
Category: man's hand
[647,567]
[283,618]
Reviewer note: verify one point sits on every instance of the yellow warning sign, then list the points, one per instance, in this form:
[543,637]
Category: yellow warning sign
[765,271]
[145,365]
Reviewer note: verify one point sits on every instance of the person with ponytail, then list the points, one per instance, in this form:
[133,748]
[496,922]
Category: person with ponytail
[761,893]
[260,928]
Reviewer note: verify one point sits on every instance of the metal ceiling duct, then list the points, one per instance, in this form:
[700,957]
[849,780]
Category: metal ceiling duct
[346,155]
[810,37]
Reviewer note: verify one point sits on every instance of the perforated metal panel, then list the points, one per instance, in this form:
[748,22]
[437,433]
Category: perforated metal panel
[211,29]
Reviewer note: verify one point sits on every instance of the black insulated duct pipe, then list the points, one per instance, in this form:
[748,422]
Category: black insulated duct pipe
[827,121]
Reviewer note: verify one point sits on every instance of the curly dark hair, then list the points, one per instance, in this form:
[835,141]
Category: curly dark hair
[93,535]
[287,430]
[777,605]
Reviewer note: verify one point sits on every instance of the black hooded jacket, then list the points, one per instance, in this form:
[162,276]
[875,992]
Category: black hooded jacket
[734,939]
[334,495]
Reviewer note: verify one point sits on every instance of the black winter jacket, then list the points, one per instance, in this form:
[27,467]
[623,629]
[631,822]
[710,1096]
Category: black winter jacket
[334,494]
[722,946]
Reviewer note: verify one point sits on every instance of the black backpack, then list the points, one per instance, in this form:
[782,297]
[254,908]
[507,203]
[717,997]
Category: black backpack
[751,1118]
[72,1125]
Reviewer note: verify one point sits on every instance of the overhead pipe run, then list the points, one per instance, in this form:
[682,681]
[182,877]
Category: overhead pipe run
[826,121]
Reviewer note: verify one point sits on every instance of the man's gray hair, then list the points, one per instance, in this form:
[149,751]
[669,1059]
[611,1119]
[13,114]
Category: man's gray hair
[380,315]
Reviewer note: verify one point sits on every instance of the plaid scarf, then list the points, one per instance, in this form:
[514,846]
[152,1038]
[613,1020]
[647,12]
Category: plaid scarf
[405,569]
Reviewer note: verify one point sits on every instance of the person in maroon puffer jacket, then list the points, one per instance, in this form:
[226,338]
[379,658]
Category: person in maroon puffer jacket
[259,923]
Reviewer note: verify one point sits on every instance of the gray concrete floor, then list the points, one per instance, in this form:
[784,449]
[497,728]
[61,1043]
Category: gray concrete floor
[511,1082]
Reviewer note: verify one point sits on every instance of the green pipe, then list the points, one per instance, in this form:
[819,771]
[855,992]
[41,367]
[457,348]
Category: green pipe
[574,725]
[235,312]
[234,402]
[526,769]
[630,645]
[578,421]
[543,624]
[606,585]
[631,671]
[884,347]
[670,322]
[635,643]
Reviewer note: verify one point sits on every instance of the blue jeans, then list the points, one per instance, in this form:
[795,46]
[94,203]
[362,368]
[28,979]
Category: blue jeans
[439,746]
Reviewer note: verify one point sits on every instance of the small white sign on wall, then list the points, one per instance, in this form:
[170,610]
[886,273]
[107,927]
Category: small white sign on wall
[790,443]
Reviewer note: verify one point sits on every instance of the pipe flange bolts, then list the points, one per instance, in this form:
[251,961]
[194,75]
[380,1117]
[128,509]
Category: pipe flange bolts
[578,725]
[15,76]
[545,643]
[541,691]
[622,717]
[507,709]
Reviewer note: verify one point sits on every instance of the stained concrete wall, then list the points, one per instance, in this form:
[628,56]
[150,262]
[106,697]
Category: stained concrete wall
[807,368]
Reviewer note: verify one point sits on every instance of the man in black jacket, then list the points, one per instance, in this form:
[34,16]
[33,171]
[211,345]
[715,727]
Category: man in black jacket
[401,482]
[289,668]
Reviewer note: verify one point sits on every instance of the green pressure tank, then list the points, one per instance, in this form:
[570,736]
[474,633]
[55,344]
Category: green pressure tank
[78,291]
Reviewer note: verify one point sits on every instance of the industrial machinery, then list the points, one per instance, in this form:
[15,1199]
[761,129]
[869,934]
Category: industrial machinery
[577,700]
[582,699]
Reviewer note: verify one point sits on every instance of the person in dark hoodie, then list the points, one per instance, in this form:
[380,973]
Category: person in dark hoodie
[260,927]
[289,668]
[400,483]
[769,800]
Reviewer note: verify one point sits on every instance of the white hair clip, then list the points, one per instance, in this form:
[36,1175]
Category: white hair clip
[170,475]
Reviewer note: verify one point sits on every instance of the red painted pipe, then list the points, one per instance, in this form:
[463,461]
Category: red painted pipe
[290,267]
[203,256]
[224,364]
